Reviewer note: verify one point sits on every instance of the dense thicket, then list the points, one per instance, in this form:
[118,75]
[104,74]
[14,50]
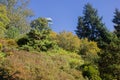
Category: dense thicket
[109,63]
[90,26]
[38,38]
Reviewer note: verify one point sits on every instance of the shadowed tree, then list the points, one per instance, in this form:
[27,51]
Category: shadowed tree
[116,21]
[90,26]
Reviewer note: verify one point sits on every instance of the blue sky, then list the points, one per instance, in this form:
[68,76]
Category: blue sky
[64,13]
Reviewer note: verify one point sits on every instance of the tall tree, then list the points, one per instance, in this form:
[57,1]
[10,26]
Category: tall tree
[3,20]
[116,21]
[90,25]
[18,13]
[109,63]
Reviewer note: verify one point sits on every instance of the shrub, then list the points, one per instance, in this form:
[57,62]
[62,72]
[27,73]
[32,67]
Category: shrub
[27,66]
[75,60]
[38,40]
[8,44]
[22,41]
[2,56]
[11,43]
[68,41]
[12,33]
[0,46]
[89,50]
[91,72]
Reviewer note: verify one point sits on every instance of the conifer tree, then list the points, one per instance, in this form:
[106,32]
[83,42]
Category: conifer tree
[116,21]
[90,25]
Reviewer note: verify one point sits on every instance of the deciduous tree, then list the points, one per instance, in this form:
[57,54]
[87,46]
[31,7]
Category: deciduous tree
[4,20]
[18,13]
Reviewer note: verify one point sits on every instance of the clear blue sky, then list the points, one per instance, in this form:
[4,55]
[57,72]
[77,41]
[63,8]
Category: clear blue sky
[65,12]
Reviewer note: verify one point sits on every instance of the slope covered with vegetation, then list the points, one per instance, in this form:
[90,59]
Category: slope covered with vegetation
[32,51]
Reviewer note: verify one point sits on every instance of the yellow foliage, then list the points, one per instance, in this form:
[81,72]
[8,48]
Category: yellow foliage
[53,35]
[68,41]
[3,15]
[89,47]
[8,42]
[11,42]
[75,60]
[89,50]
[0,46]
[4,20]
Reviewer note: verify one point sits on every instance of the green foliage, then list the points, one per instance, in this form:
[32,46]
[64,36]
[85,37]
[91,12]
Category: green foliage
[109,63]
[3,16]
[75,60]
[0,46]
[90,26]
[116,21]
[40,24]
[89,50]
[18,13]
[68,41]
[12,33]
[55,56]
[22,41]
[2,56]
[91,72]
[38,38]
[3,20]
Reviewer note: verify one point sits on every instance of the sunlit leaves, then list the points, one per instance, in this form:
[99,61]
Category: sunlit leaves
[68,41]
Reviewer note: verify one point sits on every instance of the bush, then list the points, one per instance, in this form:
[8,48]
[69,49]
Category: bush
[37,40]
[2,56]
[68,41]
[0,46]
[91,72]
[12,33]
[75,60]
[8,44]
[22,41]
[89,50]
[11,43]
[28,66]
[39,36]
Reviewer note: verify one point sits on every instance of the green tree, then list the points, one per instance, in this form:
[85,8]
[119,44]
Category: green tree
[91,72]
[109,63]
[12,33]
[3,20]
[90,26]
[40,24]
[116,21]
[39,36]
[18,13]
